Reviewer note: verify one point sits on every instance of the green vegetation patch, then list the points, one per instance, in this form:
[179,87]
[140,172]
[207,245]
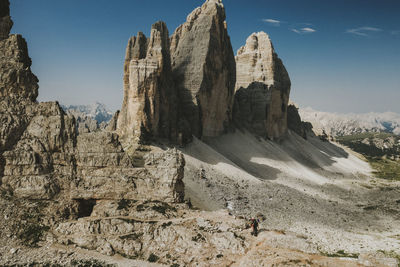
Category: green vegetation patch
[385,168]
[382,157]
[153,258]
[32,233]
[124,204]
[341,254]
[90,263]
[158,206]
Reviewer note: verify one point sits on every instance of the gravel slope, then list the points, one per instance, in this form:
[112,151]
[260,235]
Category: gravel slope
[316,189]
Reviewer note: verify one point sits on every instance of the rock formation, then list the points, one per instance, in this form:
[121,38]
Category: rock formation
[296,124]
[16,78]
[149,105]
[203,66]
[5,19]
[262,88]
[64,191]
[43,157]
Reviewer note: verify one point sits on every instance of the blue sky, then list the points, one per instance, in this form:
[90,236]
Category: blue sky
[341,55]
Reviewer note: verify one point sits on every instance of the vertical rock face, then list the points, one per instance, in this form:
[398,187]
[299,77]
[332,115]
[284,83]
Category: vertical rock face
[262,88]
[17,79]
[295,123]
[5,20]
[18,85]
[204,71]
[149,105]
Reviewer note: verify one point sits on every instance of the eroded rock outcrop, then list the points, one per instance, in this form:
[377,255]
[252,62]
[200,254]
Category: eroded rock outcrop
[16,78]
[203,66]
[44,157]
[262,88]
[295,123]
[149,105]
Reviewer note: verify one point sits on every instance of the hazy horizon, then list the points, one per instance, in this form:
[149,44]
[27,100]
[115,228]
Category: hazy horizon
[342,56]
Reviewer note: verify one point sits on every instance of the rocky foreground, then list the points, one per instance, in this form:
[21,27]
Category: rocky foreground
[76,197]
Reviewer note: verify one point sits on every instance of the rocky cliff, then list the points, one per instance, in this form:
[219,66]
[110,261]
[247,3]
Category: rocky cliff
[5,19]
[262,88]
[295,123]
[149,105]
[16,80]
[203,66]
[44,158]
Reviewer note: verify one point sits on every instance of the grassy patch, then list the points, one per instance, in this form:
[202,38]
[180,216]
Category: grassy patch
[163,208]
[131,257]
[340,254]
[385,168]
[32,233]
[164,225]
[131,236]
[30,229]
[382,158]
[90,263]
[124,204]
[158,206]
[153,258]
[198,238]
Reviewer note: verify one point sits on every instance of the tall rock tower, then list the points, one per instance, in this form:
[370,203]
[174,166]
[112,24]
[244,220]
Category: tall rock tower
[149,105]
[262,88]
[203,67]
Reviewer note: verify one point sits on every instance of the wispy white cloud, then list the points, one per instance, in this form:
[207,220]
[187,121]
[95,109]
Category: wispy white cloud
[307,29]
[303,30]
[363,31]
[273,22]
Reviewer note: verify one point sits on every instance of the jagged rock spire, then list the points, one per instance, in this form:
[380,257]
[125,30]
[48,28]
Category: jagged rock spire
[148,109]
[204,71]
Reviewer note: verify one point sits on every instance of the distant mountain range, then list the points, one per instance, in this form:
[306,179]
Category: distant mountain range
[334,124]
[89,118]
[96,111]
[339,124]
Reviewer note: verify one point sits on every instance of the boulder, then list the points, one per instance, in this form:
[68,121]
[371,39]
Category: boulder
[262,88]
[203,66]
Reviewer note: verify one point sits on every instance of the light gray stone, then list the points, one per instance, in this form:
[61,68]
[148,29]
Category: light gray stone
[204,71]
[262,88]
